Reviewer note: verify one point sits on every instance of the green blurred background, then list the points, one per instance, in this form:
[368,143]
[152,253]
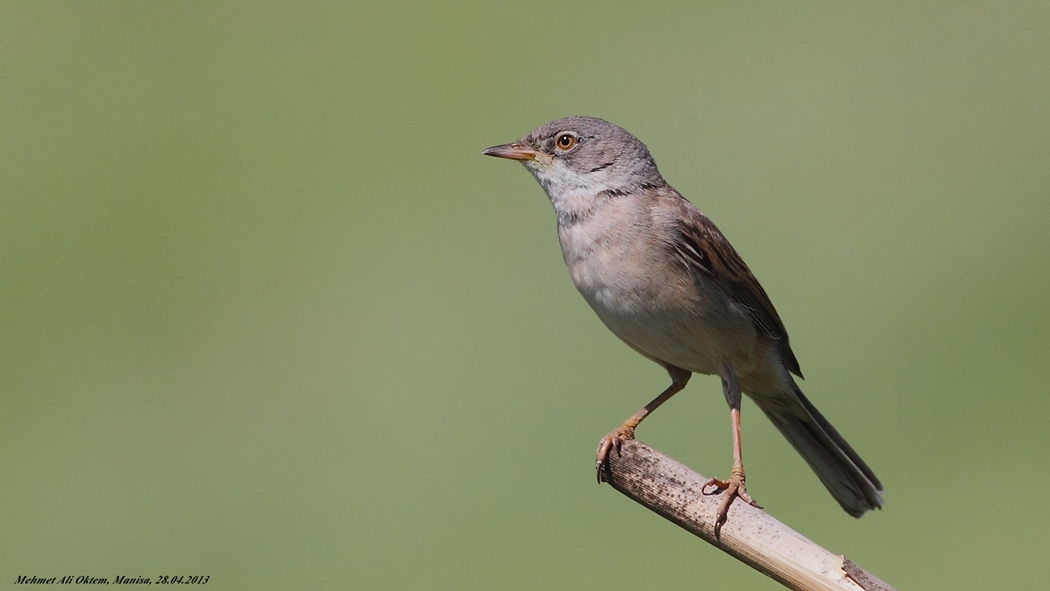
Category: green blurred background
[268,314]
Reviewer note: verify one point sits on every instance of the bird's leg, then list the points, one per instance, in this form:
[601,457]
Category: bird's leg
[612,441]
[734,487]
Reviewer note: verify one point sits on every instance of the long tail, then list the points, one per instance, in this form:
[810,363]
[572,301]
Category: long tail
[845,475]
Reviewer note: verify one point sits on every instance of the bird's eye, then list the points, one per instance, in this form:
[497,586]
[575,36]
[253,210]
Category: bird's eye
[565,141]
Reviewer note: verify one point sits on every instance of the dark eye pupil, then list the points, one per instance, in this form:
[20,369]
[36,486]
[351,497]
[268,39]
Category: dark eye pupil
[565,140]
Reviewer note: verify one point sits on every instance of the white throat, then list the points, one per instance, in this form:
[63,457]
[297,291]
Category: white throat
[570,192]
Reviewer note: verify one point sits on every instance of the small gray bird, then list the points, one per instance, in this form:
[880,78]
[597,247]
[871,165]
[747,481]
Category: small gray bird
[665,280]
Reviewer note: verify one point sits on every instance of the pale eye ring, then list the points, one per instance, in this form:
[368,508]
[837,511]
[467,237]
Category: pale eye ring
[565,141]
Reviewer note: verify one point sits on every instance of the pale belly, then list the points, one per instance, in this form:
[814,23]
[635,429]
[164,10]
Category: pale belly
[674,323]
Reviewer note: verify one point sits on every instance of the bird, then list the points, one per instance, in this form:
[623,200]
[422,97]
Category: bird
[665,280]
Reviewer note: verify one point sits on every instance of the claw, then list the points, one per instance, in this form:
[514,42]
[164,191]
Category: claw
[734,487]
[611,442]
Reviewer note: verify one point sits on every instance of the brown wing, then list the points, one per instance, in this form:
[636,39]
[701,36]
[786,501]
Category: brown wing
[704,247]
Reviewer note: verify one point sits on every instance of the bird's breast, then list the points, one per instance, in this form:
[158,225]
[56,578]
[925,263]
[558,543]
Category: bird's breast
[609,264]
[649,301]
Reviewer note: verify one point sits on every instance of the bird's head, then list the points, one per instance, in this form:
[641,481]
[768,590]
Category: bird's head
[583,154]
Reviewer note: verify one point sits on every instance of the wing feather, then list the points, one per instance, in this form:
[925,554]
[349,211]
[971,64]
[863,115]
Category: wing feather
[703,247]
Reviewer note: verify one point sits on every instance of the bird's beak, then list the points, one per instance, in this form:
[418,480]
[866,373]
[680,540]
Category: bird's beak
[513,151]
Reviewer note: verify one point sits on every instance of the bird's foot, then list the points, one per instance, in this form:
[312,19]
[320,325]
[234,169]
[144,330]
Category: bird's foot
[734,487]
[611,442]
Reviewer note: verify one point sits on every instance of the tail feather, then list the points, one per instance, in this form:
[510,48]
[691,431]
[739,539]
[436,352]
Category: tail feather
[845,475]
